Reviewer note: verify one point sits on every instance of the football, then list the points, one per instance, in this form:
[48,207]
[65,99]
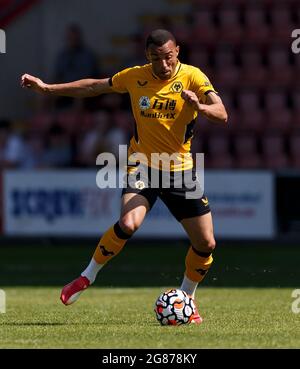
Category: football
[174,307]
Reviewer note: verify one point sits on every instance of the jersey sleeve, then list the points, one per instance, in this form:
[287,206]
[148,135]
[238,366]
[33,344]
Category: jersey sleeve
[121,80]
[201,85]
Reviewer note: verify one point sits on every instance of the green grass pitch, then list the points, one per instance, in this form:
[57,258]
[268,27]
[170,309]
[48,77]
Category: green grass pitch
[124,318]
[245,300]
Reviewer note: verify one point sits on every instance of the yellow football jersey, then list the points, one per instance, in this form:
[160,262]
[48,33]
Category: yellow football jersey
[164,120]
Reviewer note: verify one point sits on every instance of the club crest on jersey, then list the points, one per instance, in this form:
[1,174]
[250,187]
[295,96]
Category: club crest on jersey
[139,185]
[144,102]
[177,86]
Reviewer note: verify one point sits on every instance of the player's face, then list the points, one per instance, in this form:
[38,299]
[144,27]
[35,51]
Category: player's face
[163,59]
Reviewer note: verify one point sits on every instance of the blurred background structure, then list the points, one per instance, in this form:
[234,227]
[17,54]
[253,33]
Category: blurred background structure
[243,46]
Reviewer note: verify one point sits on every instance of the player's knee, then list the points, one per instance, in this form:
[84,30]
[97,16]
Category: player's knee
[128,225]
[207,244]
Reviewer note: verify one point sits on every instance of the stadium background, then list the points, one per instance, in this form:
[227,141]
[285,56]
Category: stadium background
[52,211]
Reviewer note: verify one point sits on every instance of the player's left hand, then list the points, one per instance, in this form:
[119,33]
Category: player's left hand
[191,98]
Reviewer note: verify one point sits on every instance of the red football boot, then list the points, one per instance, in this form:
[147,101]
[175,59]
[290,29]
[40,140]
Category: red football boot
[196,318]
[71,292]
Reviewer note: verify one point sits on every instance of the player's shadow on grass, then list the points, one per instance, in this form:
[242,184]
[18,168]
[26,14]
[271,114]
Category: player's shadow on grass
[28,324]
[54,324]
[32,324]
[48,324]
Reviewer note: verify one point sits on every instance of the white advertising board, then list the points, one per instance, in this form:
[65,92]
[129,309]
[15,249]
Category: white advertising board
[69,203]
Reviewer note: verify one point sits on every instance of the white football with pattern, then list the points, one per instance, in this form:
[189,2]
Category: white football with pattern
[174,307]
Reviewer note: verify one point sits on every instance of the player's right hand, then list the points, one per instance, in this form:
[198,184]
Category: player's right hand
[33,83]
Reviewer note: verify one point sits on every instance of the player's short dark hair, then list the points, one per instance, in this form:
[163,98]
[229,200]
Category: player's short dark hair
[159,37]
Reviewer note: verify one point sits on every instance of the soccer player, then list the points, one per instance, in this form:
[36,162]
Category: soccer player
[166,97]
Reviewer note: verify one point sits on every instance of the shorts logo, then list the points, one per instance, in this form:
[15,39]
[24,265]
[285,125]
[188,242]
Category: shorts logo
[139,185]
[177,87]
[144,102]
[205,201]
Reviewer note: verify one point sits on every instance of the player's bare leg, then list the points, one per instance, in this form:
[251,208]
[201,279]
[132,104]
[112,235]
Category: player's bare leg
[133,211]
[198,259]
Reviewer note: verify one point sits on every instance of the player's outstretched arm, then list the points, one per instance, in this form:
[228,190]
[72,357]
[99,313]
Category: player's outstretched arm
[213,110]
[80,88]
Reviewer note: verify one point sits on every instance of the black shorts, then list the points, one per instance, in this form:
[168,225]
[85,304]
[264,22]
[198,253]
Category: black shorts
[180,191]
